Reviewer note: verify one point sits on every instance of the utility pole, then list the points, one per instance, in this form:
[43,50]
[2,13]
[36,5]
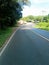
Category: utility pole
[43,14]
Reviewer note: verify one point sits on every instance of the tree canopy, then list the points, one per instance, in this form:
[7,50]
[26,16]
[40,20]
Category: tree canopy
[10,11]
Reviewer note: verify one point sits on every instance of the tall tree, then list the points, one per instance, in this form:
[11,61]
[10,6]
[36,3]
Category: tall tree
[10,11]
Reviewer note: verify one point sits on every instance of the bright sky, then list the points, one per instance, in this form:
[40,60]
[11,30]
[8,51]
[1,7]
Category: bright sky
[38,7]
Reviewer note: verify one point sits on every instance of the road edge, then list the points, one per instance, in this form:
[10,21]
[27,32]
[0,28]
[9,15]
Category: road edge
[41,36]
[7,42]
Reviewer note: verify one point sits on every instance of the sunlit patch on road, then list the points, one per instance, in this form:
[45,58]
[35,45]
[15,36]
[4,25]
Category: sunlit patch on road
[26,28]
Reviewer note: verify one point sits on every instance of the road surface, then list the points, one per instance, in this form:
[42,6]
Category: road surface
[26,48]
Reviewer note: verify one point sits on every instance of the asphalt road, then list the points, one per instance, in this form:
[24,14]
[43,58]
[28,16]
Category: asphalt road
[26,48]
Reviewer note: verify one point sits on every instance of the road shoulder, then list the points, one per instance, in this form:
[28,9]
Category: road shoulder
[8,39]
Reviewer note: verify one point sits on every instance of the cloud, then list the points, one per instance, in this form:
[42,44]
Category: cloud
[40,1]
[34,11]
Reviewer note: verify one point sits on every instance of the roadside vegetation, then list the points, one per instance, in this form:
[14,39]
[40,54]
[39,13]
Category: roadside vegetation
[41,22]
[43,25]
[10,14]
[4,35]
[28,18]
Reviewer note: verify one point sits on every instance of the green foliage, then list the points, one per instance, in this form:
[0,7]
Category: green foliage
[4,34]
[10,11]
[38,18]
[31,17]
[43,25]
[28,18]
[25,18]
[45,19]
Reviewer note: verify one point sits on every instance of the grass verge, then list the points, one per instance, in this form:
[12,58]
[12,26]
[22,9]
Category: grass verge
[5,34]
[43,25]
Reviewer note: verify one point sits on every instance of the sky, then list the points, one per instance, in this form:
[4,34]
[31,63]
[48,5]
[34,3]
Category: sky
[37,7]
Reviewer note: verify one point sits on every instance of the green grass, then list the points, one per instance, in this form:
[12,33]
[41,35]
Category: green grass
[4,34]
[43,25]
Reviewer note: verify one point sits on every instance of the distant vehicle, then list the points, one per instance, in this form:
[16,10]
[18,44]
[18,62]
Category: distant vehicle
[29,21]
[36,21]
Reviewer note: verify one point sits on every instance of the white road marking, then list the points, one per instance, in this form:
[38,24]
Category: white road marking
[41,36]
[8,42]
[14,34]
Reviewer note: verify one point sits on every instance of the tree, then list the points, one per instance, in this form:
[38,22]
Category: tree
[10,11]
[38,18]
[45,19]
